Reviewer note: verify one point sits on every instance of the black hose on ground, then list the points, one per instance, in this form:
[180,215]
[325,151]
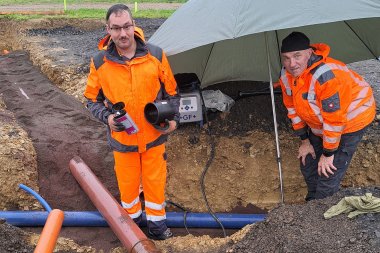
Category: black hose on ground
[260,92]
[207,166]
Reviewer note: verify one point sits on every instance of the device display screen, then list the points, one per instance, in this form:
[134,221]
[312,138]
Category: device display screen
[186,102]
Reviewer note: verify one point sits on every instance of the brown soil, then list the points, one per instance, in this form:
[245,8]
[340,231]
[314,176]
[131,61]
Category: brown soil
[49,62]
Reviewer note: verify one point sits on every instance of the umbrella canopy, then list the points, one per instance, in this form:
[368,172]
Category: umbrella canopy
[227,40]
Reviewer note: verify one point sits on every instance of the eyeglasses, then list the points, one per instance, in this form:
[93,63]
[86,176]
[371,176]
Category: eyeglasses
[117,29]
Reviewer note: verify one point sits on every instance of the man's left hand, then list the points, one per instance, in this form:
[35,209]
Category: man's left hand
[171,128]
[326,166]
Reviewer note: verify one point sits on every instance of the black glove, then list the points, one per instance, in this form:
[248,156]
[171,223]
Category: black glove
[119,126]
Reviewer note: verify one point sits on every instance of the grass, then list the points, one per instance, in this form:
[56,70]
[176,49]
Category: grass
[68,2]
[96,13]
[92,13]
[87,13]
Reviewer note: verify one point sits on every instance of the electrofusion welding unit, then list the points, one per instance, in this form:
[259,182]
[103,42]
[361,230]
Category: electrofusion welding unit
[190,107]
[160,113]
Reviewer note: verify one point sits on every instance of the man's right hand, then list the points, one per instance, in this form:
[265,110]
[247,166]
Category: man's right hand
[115,126]
[305,149]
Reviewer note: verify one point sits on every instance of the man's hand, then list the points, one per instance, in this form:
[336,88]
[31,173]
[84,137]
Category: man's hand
[305,149]
[115,126]
[325,165]
[171,128]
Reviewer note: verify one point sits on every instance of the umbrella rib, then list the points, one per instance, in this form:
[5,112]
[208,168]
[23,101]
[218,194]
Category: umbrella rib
[278,47]
[208,58]
[369,49]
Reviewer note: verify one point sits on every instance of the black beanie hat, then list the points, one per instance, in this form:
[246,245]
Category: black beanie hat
[295,41]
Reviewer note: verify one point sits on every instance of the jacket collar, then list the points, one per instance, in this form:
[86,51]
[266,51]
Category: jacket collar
[109,46]
[320,53]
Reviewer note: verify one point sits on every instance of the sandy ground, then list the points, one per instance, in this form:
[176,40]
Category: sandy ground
[40,136]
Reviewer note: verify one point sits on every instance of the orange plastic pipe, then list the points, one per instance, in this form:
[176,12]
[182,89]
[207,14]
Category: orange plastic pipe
[117,218]
[50,232]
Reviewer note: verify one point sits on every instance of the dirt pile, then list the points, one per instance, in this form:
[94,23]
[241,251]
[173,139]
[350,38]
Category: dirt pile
[13,239]
[18,160]
[302,228]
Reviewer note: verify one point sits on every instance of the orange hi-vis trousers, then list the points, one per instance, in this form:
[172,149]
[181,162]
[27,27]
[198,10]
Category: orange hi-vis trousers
[148,168]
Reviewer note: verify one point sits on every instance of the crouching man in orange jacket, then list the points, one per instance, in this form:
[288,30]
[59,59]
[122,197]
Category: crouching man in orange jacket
[129,70]
[330,107]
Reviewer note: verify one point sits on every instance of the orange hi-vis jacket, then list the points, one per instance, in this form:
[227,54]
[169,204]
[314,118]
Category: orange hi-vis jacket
[145,78]
[327,98]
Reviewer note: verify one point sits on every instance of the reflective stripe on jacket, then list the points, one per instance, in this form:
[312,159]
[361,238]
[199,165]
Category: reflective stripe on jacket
[328,98]
[145,78]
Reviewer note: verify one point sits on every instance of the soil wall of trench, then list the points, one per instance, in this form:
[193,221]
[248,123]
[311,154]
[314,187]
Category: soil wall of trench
[244,171]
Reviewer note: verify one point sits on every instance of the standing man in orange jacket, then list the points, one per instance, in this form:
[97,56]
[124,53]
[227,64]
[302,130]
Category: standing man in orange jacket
[330,107]
[129,70]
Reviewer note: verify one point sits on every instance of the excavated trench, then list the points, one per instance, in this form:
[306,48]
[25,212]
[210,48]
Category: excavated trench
[42,82]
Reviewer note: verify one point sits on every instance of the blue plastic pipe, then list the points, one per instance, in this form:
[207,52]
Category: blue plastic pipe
[37,196]
[95,219]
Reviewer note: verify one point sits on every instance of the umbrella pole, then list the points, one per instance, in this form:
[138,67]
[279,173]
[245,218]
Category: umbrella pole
[275,121]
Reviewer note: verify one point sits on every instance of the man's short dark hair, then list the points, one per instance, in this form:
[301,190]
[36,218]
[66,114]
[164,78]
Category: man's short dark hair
[117,8]
[295,41]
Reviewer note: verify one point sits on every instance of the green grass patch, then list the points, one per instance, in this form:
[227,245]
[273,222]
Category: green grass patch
[68,2]
[85,13]
[21,17]
[96,13]
[93,13]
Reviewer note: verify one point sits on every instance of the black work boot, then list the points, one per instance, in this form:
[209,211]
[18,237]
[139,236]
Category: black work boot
[165,235]
[157,230]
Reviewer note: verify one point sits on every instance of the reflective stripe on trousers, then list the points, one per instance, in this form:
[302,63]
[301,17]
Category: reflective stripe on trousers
[148,168]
